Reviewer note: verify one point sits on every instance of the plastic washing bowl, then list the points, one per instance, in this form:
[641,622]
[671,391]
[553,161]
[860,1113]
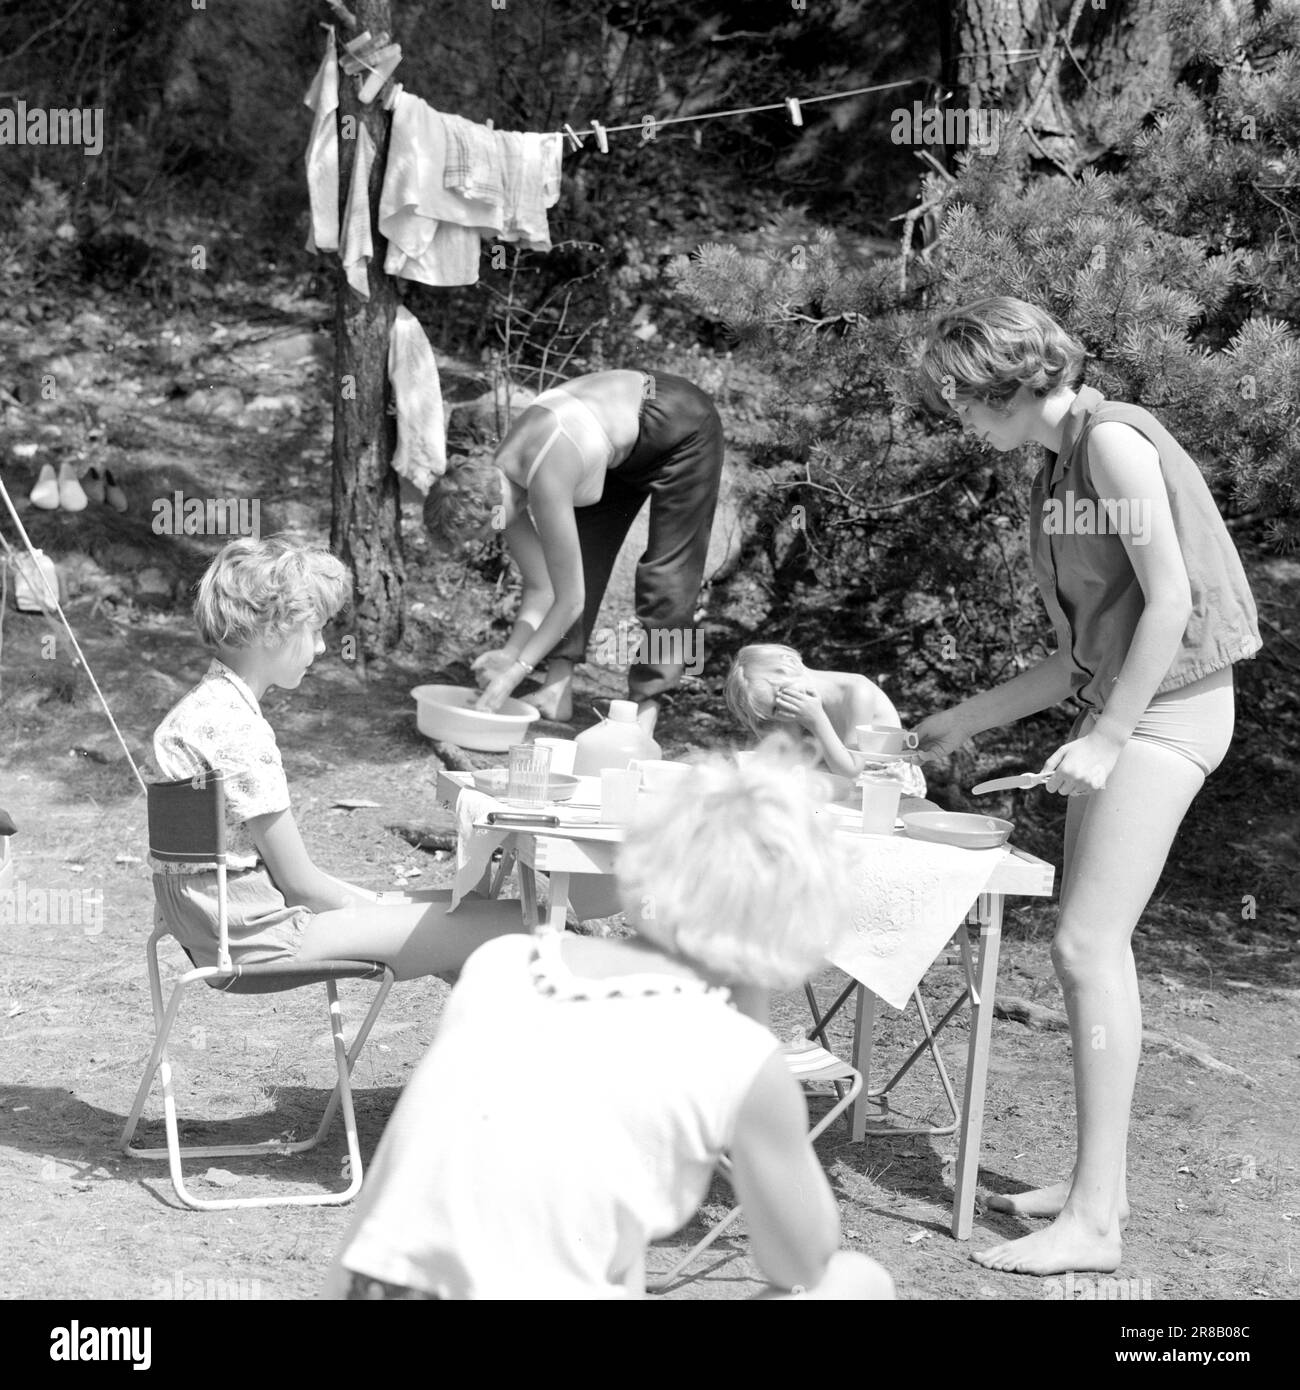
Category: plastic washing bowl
[443,712]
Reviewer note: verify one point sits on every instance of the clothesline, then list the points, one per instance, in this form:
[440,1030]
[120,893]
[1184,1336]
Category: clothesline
[792,105]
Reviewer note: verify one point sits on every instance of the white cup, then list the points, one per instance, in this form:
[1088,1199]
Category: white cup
[884,738]
[659,774]
[563,752]
[618,789]
[880,797]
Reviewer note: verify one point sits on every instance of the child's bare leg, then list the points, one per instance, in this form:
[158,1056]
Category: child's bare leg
[848,1276]
[1123,839]
[419,938]
[554,697]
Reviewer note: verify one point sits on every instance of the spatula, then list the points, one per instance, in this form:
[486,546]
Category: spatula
[1016,783]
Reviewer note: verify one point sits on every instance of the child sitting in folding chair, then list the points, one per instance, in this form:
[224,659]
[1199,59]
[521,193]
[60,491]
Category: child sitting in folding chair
[582,1090]
[261,608]
[769,690]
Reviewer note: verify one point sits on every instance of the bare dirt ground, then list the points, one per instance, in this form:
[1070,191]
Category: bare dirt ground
[1213,1158]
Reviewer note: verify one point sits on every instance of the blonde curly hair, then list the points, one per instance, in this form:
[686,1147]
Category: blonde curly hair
[733,871]
[257,591]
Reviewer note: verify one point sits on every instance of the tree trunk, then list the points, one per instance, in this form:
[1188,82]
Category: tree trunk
[366,528]
[987,35]
[1121,45]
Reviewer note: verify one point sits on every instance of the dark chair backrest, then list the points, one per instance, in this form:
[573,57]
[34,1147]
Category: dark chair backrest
[187,819]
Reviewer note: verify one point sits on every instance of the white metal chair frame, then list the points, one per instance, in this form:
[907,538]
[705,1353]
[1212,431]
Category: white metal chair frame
[187,822]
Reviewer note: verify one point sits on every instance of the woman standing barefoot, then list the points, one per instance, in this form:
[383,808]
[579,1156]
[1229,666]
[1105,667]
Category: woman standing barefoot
[1151,609]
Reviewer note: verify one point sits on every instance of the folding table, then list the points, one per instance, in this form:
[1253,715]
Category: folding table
[592,849]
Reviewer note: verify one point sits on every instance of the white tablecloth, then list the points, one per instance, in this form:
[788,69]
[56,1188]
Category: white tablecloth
[909,898]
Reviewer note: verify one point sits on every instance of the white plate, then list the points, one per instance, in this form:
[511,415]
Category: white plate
[960,828]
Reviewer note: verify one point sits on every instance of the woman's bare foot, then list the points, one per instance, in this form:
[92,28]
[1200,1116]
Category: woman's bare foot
[1067,1244]
[1042,1201]
[554,697]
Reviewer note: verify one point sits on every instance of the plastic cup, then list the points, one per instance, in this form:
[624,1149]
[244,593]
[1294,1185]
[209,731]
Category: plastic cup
[659,774]
[563,752]
[530,771]
[880,797]
[885,738]
[618,791]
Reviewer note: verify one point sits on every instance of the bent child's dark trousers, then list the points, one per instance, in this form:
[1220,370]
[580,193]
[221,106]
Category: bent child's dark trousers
[677,464]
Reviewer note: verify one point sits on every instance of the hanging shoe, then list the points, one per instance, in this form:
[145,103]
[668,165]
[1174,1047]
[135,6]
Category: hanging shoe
[114,495]
[71,497]
[45,494]
[92,484]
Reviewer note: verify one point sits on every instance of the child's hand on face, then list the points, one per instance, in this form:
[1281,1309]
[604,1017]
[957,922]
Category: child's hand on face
[800,703]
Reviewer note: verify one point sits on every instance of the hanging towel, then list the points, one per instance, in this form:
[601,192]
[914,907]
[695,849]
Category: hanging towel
[421,452]
[323,153]
[433,232]
[474,164]
[357,244]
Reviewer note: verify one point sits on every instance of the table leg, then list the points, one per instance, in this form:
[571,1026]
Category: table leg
[864,1025]
[556,915]
[977,1064]
[528,896]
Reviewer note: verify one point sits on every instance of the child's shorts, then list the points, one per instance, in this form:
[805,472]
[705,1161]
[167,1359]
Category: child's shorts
[1196,721]
[262,926]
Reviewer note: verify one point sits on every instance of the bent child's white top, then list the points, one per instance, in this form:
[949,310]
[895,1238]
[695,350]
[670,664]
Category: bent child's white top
[555,1128]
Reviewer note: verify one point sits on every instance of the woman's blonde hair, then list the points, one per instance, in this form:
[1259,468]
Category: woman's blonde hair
[989,349]
[257,591]
[733,872]
[752,685]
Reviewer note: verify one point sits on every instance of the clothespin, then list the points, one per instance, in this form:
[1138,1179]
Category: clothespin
[343,13]
[602,140]
[795,110]
[382,64]
[575,140]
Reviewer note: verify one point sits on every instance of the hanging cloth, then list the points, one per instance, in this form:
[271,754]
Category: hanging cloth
[323,152]
[421,454]
[433,232]
[532,184]
[357,244]
[474,165]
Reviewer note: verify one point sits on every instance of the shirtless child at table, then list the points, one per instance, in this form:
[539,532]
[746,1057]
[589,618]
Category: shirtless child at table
[769,690]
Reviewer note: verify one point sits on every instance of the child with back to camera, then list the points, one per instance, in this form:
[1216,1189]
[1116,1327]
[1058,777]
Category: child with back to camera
[770,690]
[261,608]
[624,1071]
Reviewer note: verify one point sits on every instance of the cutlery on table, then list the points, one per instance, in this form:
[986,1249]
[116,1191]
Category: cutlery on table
[1016,783]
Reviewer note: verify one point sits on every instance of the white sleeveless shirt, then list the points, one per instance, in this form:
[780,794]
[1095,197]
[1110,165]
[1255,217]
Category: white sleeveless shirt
[555,1128]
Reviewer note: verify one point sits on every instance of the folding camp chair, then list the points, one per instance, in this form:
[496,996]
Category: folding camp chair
[7,829]
[808,1064]
[187,824]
